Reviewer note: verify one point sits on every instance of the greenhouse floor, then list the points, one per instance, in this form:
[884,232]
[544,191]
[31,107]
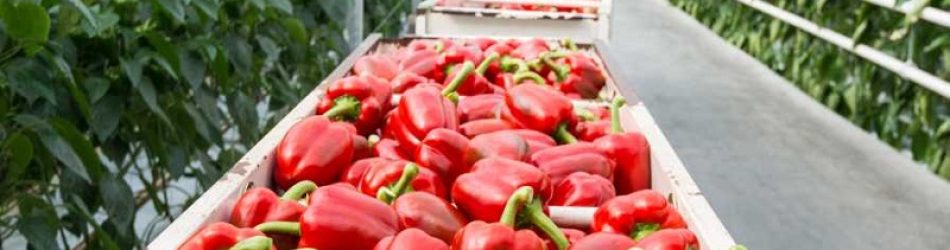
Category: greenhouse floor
[781,170]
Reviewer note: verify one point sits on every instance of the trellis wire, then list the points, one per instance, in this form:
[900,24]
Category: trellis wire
[905,70]
[931,14]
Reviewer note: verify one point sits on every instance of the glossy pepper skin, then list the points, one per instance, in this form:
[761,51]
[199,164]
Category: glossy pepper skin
[354,173]
[502,235]
[424,62]
[531,49]
[630,150]
[442,151]
[339,217]
[314,149]
[425,108]
[391,174]
[376,65]
[572,235]
[429,213]
[260,205]
[637,215]
[669,239]
[479,107]
[604,241]
[389,149]
[484,126]
[541,108]
[537,141]
[407,80]
[482,193]
[575,73]
[560,168]
[219,235]
[355,99]
[502,144]
[411,239]
[582,190]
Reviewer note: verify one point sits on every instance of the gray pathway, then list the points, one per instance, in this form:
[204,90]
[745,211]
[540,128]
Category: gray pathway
[782,171]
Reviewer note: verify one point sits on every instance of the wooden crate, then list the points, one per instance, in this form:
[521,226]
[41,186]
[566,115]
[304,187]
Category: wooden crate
[669,176]
[471,20]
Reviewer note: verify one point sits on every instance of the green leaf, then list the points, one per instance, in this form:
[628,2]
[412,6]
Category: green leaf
[30,80]
[175,8]
[133,70]
[296,29]
[106,114]
[193,69]
[96,87]
[118,200]
[25,21]
[147,90]
[177,160]
[55,144]
[209,7]
[37,229]
[239,53]
[20,149]
[161,43]
[90,18]
[282,5]
[80,145]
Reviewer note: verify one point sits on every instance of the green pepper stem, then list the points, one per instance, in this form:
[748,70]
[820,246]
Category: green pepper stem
[254,243]
[585,114]
[738,247]
[344,108]
[535,214]
[615,105]
[511,64]
[643,230]
[372,140]
[402,186]
[297,191]
[528,75]
[560,70]
[563,136]
[439,46]
[486,63]
[456,82]
[518,199]
[569,44]
[279,227]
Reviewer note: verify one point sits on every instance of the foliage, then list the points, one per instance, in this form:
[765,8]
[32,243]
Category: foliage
[898,111]
[100,97]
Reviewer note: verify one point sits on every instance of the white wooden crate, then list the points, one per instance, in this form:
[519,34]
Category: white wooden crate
[669,176]
[472,19]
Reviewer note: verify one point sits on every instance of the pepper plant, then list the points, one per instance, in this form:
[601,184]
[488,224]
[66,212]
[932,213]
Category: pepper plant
[897,111]
[109,105]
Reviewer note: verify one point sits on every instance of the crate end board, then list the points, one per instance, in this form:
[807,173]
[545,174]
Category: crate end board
[454,21]
[254,169]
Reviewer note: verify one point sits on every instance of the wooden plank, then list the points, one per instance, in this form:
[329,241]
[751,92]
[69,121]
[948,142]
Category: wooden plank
[254,169]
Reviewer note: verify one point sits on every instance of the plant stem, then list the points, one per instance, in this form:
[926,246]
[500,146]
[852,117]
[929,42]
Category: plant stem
[615,105]
[517,200]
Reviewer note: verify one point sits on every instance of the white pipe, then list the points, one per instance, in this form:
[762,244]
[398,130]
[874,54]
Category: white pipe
[882,59]
[931,14]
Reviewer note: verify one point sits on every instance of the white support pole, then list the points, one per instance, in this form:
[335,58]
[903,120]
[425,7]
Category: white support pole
[931,14]
[882,59]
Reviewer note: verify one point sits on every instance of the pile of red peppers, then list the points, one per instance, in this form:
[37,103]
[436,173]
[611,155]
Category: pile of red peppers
[458,144]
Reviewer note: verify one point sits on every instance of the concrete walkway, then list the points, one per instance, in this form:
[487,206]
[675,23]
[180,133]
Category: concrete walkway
[781,170]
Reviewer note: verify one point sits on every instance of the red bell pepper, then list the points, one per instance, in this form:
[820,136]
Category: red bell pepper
[604,241]
[389,149]
[582,190]
[481,43]
[560,166]
[388,181]
[537,141]
[221,235]
[484,126]
[631,151]
[260,205]
[575,72]
[473,81]
[637,214]
[376,65]
[314,149]
[479,107]
[592,130]
[531,49]
[522,203]
[339,217]
[669,239]
[482,193]
[572,235]
[457,53]
[429,213]
[442,151]
[542,109]
[544,157]
[423,62]
[411,239]
[356,99]
[502,144]
[362,147]
[407,80]
[425,108]
[354,173]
